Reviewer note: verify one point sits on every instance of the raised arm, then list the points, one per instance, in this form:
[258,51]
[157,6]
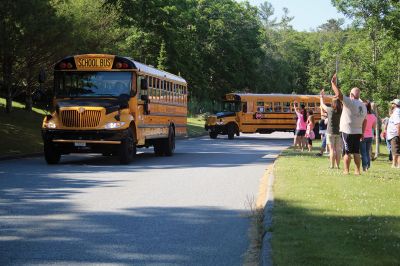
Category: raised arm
[296,108]
[335,88]
[321,100]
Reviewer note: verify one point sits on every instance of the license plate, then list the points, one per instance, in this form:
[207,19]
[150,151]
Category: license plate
[80,144]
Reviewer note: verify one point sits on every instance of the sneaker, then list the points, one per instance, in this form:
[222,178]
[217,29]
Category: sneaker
[318,154]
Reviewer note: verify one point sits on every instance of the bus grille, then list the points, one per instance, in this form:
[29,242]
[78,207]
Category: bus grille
[211,120]
[88,118]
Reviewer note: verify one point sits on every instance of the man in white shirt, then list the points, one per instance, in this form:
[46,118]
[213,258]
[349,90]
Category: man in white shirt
[393,133]
[352,124]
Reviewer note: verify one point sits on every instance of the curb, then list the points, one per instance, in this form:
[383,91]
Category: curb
[266,249]
[20,156]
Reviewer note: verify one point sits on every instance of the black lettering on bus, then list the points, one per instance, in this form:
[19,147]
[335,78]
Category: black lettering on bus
[105,62]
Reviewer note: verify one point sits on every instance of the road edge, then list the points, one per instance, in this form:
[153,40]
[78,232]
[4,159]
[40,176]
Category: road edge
[266,248]
[20,156]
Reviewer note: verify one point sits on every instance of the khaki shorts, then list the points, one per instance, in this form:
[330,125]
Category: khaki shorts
[333,140]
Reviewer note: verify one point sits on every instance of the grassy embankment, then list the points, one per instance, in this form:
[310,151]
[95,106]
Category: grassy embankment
[322,217]
[20,130]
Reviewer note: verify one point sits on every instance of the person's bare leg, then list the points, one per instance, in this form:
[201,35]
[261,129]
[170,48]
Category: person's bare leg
[396,161]
[295,142]
[332,155]
[357,161]
[347,160]
[304,140]
[337,156]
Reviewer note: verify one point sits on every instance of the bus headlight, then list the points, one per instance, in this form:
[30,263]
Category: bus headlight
[50,124]
[114,125]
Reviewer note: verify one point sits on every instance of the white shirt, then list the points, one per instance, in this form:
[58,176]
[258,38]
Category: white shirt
[353,115]
[394,120]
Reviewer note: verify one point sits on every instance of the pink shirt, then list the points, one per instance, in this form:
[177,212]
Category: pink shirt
[371,119]
[301,124]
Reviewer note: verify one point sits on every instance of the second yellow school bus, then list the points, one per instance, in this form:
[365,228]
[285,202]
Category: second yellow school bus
[260,113]
[112,105]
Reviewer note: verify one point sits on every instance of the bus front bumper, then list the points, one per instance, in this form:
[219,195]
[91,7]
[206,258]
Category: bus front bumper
[97,141]
[220,129]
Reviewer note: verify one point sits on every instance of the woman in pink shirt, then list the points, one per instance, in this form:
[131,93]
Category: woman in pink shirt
[301,126]
[366,142]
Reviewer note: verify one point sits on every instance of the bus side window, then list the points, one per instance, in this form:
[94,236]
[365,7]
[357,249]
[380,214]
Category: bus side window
[244,107]
[311,106]
[268,107]
[286,107]
[260,107]
[277,107]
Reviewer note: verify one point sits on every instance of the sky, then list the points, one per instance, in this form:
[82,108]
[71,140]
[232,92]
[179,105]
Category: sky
[308,14]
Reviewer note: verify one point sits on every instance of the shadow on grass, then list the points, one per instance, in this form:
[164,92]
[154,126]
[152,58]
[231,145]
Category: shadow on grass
[303,236]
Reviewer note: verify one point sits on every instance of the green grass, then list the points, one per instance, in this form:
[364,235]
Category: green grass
[322,217]
[20,130]
[195,126]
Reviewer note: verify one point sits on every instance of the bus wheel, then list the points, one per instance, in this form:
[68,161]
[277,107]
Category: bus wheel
[231,131]
[127,149]
[51,154]
[213,135]
[169,144]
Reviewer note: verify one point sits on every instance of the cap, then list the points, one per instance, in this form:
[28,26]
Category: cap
[396,102]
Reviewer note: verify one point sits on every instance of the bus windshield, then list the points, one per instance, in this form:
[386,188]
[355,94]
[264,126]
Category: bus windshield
[229,106]
[92,84]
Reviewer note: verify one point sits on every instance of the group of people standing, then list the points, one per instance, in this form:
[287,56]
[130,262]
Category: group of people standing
[348,129]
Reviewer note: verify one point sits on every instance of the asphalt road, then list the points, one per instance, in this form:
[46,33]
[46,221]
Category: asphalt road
[188,209]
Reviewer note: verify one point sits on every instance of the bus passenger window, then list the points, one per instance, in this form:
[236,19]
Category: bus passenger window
[268,107]
[260,107]
[286,107]
[277,107]
[244,107]
[311,106]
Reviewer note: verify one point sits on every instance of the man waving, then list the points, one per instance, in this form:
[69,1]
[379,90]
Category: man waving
[352,124]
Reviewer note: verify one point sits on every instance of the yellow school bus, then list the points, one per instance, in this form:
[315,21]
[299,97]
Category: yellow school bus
[260,113]
[112,105]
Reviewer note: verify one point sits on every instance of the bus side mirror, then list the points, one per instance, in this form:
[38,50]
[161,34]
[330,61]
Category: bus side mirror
[146,100]
[42,76]
[143,84]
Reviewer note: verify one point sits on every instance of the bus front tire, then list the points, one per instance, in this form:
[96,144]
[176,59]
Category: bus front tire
[127,148]
[51,154]
[231,131]
[213,135]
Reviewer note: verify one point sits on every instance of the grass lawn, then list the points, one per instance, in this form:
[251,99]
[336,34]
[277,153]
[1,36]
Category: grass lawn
[195,126]
[20,130]
[322,217]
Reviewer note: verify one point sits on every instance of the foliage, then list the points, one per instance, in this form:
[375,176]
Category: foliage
[218,46]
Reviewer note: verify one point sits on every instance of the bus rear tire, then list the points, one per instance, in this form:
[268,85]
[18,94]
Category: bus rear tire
[51,154]
[165,146]
[213,135]
[127,148]
[169,143]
